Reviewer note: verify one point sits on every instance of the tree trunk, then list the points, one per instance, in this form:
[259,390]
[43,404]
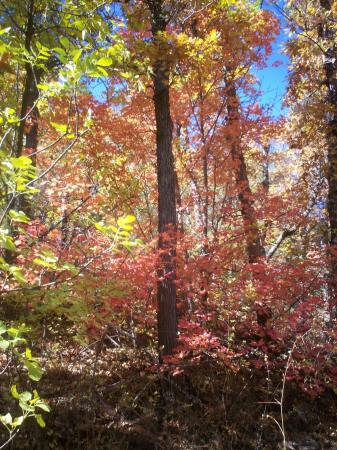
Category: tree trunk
[265,187]
[330,69]
[29,116]
[29,110]
[254,247]
[167,215]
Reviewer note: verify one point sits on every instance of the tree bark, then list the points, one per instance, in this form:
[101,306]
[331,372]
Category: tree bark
[29,110]
[330,70]
[29,114]
[254,247]
[167,215]
[265,187]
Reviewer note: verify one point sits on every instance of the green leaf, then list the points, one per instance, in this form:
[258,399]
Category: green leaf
[14,392]
[105,62]
[77,54]
[34,370]
[43,87]
[28,353]
[129,244]
[13,119]
[60,51]
[13,332]
[17,274]
[49,256]
[7,242]
[4,344]
[4,30]
[18,216]
[59,127]
[25,396]
[42,262]
[103,71]
[3,328]
[46,259]
[42,405]
[6,419]
[123,222]
[129,219]
[100,226]
[23,162]
[67,266]
[9,111]
[65,42]
[40,421]
[18,421]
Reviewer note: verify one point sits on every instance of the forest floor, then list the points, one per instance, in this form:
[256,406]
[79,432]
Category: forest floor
[108,397]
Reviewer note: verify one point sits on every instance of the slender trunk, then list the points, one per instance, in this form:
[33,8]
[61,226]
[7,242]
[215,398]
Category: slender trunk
[327,33]
[29,111]
[195,34]
[254,247]
[180,223]
[167,215]
[29,114]
[204,162]
[205,177]
[29,123]
[265,169]
[265,187]
[204,272]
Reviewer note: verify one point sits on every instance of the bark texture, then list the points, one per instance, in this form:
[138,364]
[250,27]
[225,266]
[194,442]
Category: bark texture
[330,70]
[167,215]
[254,247]
[29,112]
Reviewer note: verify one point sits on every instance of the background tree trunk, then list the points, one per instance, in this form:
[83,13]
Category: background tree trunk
[254,247]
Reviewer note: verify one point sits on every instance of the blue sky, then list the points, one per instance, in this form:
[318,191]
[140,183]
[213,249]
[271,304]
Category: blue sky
[274,79]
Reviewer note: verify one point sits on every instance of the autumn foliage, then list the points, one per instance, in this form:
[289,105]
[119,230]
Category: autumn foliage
[140,104]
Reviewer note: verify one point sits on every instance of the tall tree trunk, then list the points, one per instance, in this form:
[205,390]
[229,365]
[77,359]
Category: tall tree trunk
[29,110]
[167,215]
[327,33]
[254,247]
[265,187]
[206,200]
[29,114]
[180,223]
